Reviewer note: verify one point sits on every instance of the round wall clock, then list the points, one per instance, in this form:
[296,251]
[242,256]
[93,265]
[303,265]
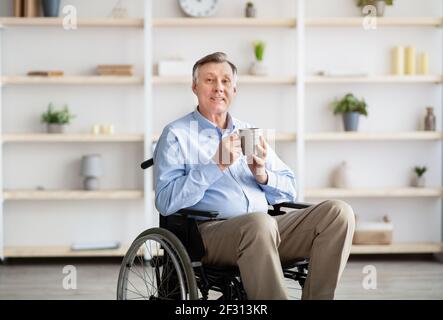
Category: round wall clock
[199,8]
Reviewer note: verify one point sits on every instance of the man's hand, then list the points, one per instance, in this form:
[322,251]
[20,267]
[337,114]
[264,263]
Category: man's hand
[229,150]
[256,163]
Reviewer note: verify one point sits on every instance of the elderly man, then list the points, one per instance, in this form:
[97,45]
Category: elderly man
[199,164]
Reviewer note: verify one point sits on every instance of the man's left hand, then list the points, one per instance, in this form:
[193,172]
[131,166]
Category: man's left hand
[256,163]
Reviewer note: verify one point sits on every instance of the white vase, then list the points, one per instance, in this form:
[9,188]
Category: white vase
[258,68]
[340,176]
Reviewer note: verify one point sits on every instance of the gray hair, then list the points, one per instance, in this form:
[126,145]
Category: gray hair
[216,57]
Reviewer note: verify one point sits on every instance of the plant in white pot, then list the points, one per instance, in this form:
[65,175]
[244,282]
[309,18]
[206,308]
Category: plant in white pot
[56,121]
[258,67]
[351,108]
[378,4]
[419,180]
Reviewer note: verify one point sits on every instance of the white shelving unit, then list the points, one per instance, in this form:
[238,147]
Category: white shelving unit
[32,138]
[298,80]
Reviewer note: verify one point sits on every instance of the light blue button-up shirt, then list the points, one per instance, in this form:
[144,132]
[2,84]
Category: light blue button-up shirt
[187,177]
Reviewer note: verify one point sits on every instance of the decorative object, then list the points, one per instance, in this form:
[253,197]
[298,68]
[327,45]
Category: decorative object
[430,119]
[351,108]
[46,73]
[423,63]
[115,70]
[250,11]
[31,8]
[378,4]
[119,11]
[398,61]
[339,177]
[199,8]
[19,8]
[51,8]
[368,232]
[176,67]
[107,129]
[56,120]
[410,60]
[96,129]
[258,67]
[419,180]
[91,169]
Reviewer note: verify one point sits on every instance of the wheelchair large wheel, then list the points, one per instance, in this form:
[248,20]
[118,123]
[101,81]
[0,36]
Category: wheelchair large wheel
[156,267]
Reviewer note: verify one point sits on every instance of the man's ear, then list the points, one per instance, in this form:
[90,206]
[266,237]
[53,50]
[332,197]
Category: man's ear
[194,88]
[235,90]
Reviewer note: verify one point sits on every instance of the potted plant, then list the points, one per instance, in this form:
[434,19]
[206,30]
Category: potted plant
[258,68]
[378,4]
[351,108]
[419,178]
[56,120]
[51,8]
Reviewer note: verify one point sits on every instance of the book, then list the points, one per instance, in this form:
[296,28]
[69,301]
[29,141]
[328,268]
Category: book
[46,73]
[102,245]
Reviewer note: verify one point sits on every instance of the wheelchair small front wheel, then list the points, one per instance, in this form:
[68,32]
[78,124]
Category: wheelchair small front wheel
[156,267]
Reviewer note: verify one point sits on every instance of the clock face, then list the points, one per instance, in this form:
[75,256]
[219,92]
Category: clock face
[199,8]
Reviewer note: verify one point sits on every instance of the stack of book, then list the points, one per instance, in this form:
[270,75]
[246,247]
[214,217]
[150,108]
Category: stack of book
[115,70]
[46,73]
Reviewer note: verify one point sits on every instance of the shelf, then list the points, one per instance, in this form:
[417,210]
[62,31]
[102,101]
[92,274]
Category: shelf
[81,22]
[72,195]
[381,21]
[224,22]
[373,136]
[245,79]
[75,80]
[59,252]
[436,79]
[407,192]
[69,137]
[398,248]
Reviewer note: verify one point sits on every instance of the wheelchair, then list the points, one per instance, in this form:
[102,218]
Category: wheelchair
[165,263]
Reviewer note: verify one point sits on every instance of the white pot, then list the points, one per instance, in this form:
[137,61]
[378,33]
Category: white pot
[419,182]
[258,68]
[55,128]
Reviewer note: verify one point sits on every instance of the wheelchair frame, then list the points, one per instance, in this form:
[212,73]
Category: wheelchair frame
[224,279]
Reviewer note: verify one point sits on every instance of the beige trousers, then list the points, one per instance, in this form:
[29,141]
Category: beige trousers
[259,243]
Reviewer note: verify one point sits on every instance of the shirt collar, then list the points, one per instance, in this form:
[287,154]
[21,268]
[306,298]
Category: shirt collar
[205,123]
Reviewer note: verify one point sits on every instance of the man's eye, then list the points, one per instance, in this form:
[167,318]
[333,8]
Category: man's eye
[209,80]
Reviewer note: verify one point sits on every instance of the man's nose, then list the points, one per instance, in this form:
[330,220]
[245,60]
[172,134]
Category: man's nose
[218,87]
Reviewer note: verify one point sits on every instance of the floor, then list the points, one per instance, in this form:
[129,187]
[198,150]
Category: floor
[364,278]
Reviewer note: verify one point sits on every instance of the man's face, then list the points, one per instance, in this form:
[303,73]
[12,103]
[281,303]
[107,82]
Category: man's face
[215,88]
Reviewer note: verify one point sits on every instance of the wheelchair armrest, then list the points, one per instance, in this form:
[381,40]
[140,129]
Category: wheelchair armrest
[197,213]
[276,208]
[292,205]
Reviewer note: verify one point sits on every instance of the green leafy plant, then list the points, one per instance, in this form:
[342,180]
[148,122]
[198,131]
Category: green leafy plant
[420,171]
[249,4]
[259,50]
[52,116]
[362,3]
[349,103]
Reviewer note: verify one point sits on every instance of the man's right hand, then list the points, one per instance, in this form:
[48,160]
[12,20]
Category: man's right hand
[229,150]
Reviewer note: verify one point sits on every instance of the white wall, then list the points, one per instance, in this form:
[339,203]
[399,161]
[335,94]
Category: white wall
[375,164]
